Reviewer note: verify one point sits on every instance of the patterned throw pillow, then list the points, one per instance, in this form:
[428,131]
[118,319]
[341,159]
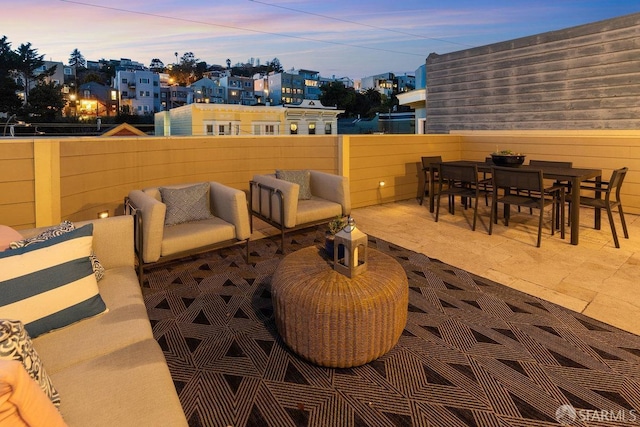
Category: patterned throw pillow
[300,177]
[51,284]
[186,204]
[15,344]
[58,230]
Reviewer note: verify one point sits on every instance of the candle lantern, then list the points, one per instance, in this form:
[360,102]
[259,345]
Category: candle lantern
[354,244]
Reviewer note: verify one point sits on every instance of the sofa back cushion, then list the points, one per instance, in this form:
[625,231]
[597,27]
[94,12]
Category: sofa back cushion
[51,284]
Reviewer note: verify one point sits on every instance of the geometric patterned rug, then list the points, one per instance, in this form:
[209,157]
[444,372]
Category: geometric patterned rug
[474,352]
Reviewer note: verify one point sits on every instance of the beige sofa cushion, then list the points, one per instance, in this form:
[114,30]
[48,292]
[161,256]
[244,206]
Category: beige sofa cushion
[126,388]
[316,209]
[126,322]
[183,237]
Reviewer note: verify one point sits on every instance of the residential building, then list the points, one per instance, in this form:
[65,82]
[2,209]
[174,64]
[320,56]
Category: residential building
[384,83]
[310,117]
[285,88]
[346,81]
[208,91]
[96,100]
[138,91]
[238,90]
[175,96]
[416,99]
[307,118]
[404,83]
[311,84]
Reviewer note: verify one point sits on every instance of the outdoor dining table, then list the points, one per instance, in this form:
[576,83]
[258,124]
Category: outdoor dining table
[573,175]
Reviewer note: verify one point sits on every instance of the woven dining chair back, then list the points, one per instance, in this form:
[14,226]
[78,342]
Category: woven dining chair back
[523,187]
[462,181]
[521,179]
[427,162]
[611,190]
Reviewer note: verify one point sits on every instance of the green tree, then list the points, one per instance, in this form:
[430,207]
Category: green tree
[275,66]
[156,65]
[29,64]
[336,94]
[184,73]
[46,101]
[10,103]
[76,60]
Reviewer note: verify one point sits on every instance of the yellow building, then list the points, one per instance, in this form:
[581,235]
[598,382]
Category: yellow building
[308,118]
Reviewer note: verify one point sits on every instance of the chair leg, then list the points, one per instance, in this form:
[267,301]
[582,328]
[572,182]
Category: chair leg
[553,218]
[475,215]
[438,206]
[613,227]
[424,189]
[562,214]
[624,223]
[540,226]
[494,214]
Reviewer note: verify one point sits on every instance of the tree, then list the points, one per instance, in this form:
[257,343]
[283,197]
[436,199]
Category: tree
[46,101]
[184,73]
[275,66]
[28,64]
[336,94]
[76,60]
[156,65]
[9,101]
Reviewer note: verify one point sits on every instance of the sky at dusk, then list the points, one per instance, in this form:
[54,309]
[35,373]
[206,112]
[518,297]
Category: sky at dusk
[350,38]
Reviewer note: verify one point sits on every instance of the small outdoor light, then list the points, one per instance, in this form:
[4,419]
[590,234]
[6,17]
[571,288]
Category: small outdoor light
[354,243]
[103,214]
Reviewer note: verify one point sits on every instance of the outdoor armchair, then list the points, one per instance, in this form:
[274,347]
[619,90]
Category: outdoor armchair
[178,220]
[298,199]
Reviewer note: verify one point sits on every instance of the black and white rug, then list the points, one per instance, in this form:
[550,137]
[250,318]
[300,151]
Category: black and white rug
[474,352]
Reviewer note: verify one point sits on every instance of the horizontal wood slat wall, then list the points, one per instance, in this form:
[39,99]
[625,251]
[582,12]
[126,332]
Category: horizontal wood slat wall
[97,173]
[584,77]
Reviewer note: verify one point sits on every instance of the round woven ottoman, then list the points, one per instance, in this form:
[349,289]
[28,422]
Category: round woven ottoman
[332,320]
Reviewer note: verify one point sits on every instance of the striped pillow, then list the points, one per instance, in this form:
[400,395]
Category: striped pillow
[51,284]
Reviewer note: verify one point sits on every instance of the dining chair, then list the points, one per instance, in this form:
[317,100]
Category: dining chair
[524,187]
[611,191]
[462,181]
[427,162]
[539,164]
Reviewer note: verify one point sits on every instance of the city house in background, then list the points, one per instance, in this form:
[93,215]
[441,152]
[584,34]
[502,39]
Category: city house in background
[307,118]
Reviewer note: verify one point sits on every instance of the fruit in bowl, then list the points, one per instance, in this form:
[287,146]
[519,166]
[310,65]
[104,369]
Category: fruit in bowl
[507,158]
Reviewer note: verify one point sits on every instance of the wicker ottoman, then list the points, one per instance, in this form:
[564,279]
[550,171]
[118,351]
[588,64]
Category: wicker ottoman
[332,320]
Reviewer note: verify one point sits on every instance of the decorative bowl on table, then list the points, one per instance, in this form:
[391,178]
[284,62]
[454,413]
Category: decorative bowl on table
[507,158]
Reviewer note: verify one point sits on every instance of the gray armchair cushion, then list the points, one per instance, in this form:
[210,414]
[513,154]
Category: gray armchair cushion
[300,177]
[186,204]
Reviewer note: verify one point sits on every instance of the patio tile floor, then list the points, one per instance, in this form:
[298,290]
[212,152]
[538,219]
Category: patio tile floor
[593,278]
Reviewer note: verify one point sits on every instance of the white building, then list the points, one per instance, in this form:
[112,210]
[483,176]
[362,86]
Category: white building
[138,91]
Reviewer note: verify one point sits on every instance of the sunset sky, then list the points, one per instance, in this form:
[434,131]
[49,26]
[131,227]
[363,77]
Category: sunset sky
[351,38]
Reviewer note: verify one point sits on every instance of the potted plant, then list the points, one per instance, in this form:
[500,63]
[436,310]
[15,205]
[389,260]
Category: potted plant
[335,225]
[507,158]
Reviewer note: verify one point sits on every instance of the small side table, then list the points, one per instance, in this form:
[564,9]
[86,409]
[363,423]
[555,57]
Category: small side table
[332,320]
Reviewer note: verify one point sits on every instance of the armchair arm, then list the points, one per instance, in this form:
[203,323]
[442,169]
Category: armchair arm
[230,204]
[332,187]
[153,212]
[289,193]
